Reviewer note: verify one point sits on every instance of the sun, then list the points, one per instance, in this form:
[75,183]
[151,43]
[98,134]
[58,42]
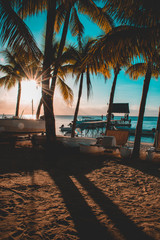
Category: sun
[30,91]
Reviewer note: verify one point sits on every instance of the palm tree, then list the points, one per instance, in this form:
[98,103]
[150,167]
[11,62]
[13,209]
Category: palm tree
[140,14]
[69,10]
[17,68]
[68,13]
[47,93]
[116,72]
[16,33]
[117,48]
[65,90]
[82,70]
[148,69]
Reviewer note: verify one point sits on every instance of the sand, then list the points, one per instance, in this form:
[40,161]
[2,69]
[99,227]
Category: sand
[74,196]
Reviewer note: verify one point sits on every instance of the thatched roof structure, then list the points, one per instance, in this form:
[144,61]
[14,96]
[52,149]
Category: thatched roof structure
[120,108]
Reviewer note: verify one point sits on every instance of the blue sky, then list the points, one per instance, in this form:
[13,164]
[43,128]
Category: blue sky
[127,90]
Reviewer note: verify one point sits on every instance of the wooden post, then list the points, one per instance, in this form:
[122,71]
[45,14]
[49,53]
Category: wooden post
[32,108]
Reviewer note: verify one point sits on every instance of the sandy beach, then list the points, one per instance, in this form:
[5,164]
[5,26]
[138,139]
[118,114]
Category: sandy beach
[75,196]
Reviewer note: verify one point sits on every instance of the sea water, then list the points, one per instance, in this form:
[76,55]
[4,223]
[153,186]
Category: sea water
[149,123]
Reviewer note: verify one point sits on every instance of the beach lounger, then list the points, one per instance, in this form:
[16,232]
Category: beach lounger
[154,152]
[121,140]
[121,136]
[106,142]
[113,140]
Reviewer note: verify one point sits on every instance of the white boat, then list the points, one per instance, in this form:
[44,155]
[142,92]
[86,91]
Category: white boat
[21,126]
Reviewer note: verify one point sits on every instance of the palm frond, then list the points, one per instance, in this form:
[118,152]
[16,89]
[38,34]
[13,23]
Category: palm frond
[96,14]
[156,71]
[30,7]
[137,70]
[77,78]
[76,27]
[123,43]
[6,69]
[8,81]
[14,31]
[139,13]
[60,17]
[3,80]
[66,91]
[9,57]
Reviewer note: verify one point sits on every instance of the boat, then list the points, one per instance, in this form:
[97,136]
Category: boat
[66,129]
[16,126]
[145,132]
[91,123]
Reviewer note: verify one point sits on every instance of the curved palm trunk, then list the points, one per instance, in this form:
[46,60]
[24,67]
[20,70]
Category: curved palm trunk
[77,106]
[18,99]
[46,93]
[60,50]
[136,148]
[39,108]
[116,72]
[157,128]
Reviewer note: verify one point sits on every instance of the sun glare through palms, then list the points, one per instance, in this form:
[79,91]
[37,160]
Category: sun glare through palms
[31,90]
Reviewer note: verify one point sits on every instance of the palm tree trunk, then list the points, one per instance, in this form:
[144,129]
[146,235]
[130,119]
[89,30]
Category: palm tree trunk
[18,99]
[157,128]
[46,93]
[116,72]
[60,50]
[136,148]
[77,106]
[39,108]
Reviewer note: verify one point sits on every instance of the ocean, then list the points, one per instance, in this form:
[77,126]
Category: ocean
[148,123]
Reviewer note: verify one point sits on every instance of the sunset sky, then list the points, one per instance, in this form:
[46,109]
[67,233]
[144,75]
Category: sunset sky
[127,90]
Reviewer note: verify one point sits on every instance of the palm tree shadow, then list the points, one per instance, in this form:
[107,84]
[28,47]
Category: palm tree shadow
[125,225]
[150,168]
[77,165]
[85,221]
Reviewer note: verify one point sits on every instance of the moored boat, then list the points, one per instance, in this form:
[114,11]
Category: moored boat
[20,126]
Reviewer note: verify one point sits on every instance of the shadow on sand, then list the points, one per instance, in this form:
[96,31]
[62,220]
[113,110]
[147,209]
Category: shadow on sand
[61,166]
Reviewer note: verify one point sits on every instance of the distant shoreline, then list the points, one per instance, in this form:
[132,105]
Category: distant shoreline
[69,115]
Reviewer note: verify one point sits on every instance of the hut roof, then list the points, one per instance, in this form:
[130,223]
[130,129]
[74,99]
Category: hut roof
[120,108]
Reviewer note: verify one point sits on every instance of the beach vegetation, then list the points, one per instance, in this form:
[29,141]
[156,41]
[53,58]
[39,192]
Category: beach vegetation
[148,70]
[69,10]
[17,67]
[65,90]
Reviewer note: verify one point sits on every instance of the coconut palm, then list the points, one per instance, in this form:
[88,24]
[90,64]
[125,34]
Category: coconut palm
[117,48]
[67,12]
[82,70]
[140,14]
[16,69]
[116,72]
[83,6]
[148,69]
[71,19]
[65,90]
[16,33]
